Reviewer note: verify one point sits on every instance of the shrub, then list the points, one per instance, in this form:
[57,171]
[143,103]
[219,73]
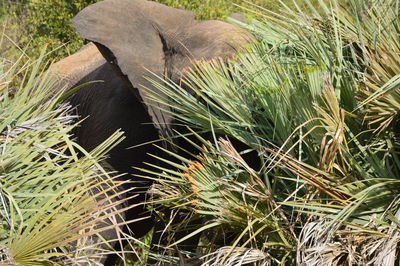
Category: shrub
[48,22]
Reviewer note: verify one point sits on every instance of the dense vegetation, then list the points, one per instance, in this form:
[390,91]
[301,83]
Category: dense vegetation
[316,101]
[49,196]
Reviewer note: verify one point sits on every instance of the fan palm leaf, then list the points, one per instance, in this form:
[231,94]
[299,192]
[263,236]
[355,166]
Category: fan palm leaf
[316,100]
[57,203]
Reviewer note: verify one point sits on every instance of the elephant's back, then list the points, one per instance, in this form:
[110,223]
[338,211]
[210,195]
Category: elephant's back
[76,67]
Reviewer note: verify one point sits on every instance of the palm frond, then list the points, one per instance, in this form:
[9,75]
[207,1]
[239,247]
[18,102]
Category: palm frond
[316,100]
[57,203]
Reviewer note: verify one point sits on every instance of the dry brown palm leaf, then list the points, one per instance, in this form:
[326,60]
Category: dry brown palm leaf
[229,256]
[319,245]
[380,94]
[332,118]
[321,180]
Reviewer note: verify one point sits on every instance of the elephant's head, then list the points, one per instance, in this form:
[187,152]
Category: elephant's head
[141,37]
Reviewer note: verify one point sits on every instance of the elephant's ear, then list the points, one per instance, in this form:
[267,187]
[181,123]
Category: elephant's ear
[131,30]
[129,34]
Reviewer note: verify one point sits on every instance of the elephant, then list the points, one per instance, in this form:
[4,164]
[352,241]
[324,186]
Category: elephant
[130,41]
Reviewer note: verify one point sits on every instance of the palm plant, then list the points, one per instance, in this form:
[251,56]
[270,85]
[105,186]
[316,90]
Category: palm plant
[57,203]
[316,101]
